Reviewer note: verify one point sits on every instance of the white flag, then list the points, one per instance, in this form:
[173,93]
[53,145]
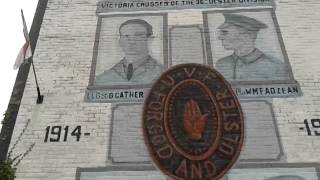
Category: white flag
[25,51]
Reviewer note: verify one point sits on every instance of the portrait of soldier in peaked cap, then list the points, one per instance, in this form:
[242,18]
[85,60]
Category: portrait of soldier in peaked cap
[136,66]
[238,34]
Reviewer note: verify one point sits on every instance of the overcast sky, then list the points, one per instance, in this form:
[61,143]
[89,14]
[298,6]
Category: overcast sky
[12,39]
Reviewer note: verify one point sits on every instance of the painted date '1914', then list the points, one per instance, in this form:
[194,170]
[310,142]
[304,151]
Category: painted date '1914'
[54,133]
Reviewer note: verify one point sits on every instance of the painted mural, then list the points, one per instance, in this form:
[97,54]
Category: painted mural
[244,44]
[90,125]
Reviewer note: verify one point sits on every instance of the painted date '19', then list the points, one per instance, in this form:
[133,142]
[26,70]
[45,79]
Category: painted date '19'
[314,125]
[55,133]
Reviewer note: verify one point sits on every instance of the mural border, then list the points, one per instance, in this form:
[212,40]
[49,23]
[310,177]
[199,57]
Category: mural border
[279,165]
[109,157]
[281,153]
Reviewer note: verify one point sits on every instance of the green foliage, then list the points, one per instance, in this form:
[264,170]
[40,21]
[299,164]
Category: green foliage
[8,167]
[6,117]
[7,170]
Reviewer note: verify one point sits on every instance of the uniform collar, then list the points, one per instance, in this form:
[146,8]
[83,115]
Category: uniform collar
[249,58]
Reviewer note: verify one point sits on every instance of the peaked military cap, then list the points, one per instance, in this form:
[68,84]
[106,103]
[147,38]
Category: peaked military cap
[242,21]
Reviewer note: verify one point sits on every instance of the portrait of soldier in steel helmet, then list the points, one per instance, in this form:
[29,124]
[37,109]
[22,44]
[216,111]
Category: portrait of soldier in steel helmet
[136,66]
[238,34]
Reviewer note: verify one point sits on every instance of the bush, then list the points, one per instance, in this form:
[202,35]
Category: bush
[7,171]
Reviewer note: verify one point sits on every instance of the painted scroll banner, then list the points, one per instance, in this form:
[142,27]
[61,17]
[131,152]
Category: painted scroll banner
[110,6]
[115,95]
[243,92]
[267,90]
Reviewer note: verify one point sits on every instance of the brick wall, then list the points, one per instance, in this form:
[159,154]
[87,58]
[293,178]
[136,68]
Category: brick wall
[63,58]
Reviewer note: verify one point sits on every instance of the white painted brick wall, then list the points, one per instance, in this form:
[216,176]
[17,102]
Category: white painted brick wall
[299,22]
[63,59]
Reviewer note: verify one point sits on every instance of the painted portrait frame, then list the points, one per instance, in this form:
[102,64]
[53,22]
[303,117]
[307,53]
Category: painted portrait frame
[112,133]
[278,35]
[241,167]
[164,30]
[280,157]
[278,166]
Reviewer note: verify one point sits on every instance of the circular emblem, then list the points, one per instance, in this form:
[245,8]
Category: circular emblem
[192,123]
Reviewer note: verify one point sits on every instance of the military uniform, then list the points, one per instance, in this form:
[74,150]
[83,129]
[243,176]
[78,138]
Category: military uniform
[145,73]
[255,66]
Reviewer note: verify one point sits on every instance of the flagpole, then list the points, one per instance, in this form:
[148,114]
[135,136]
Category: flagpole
[40,97]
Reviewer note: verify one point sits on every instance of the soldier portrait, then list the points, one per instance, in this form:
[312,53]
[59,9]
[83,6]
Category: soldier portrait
[251,49]
[131,62]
